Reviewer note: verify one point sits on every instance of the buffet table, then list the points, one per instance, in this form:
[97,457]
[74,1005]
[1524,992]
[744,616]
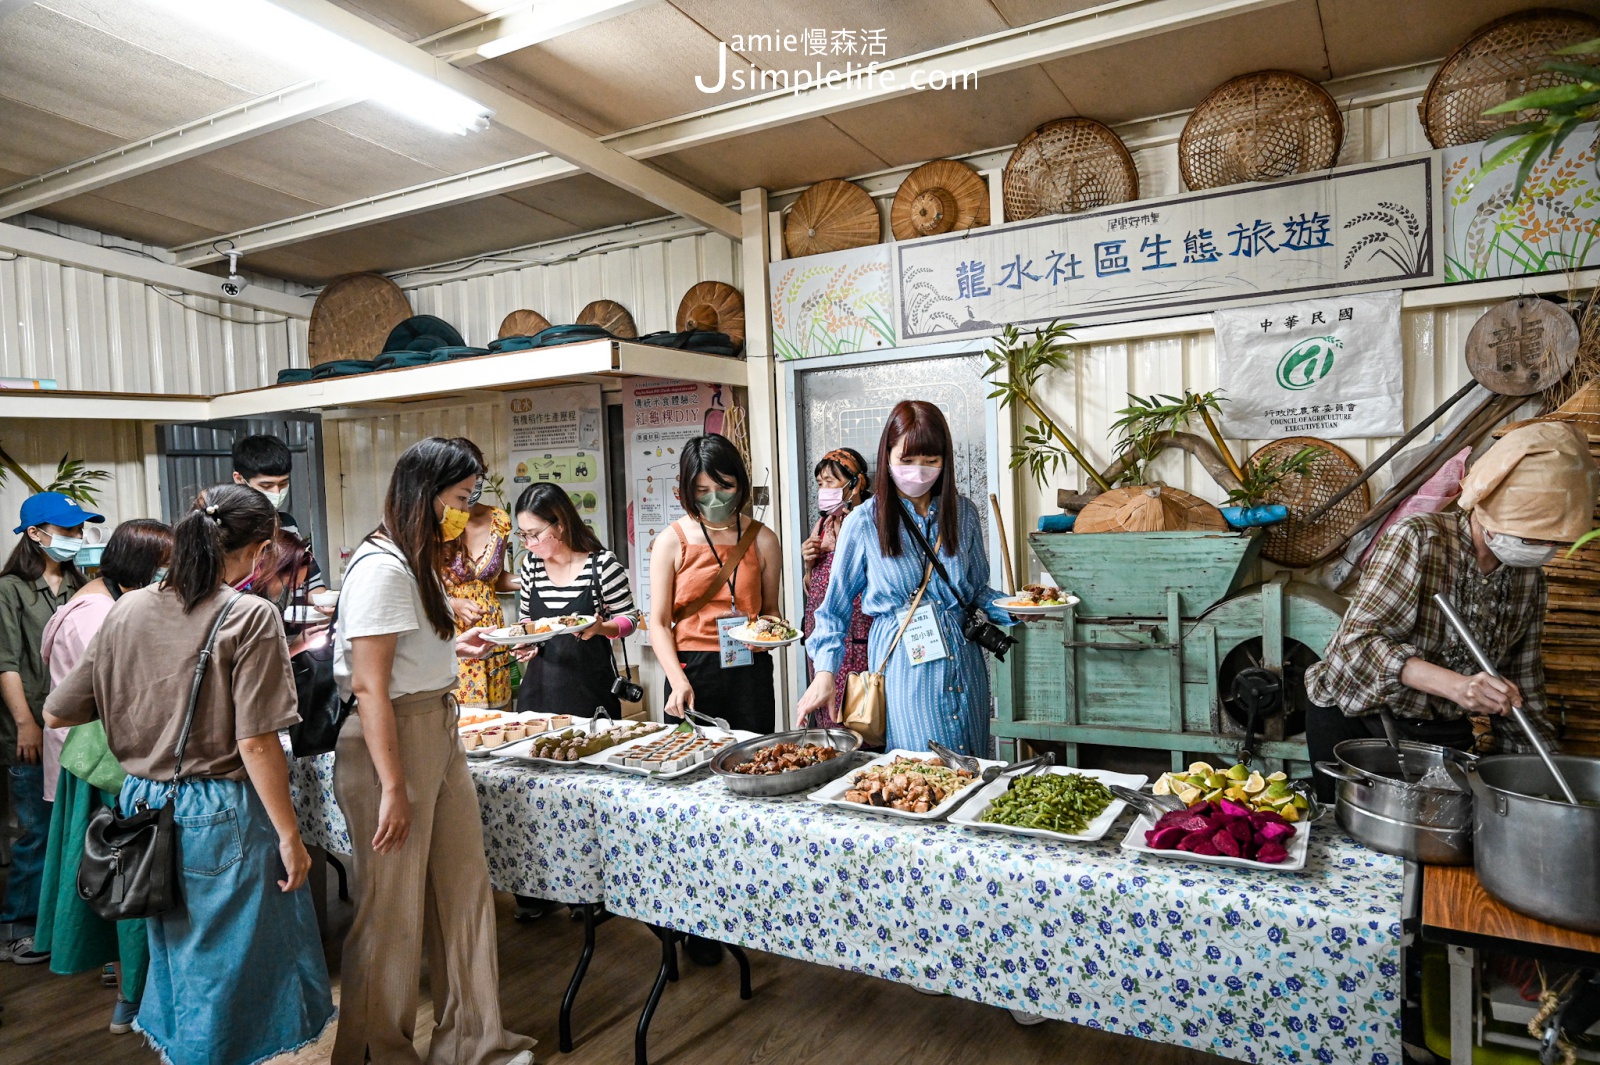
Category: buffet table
[1251,965]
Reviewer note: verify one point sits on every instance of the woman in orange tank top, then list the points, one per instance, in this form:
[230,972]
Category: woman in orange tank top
[706,671]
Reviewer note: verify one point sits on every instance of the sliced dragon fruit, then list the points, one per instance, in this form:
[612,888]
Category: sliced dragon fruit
[1272,853]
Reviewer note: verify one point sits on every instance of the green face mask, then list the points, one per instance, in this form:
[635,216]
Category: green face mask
[717,507]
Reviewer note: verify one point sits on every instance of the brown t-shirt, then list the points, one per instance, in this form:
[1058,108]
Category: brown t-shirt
[138,670]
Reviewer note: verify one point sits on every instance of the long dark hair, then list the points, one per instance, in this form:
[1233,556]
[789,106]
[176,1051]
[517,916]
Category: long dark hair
[922,426]
[551,504]
[135,551]
[427,468]
[28,561]
[716,457]
[225,517]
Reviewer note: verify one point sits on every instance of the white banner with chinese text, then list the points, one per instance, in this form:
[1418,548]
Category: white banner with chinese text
[1355,228]
[1327,367]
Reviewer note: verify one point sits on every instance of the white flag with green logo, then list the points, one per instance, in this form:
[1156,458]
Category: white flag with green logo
[1328,367]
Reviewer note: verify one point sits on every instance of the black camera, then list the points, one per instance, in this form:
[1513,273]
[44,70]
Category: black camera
[986,634]
[628,691]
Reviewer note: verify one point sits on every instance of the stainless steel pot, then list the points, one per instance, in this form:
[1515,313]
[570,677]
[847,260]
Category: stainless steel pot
[807,779]
[1540,855]
[1380,807]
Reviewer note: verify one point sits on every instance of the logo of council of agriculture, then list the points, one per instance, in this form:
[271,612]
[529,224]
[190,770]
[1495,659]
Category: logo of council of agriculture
[1307,362]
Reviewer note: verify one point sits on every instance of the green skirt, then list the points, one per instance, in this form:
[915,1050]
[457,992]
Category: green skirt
[77,938]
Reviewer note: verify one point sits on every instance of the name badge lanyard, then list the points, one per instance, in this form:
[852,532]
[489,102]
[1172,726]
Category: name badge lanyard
[732,653]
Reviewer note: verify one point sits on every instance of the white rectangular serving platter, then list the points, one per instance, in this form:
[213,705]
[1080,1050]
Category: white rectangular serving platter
[971,813]
[1299,847]
[520,749]
[832,793]
[602,758]
[484,752]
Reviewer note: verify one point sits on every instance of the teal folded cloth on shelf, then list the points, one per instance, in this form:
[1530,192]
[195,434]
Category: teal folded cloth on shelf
[460,352]
[423,332]
[515,343]
[399,360]
[342,368]
[703,340]
[294,375]
[555,336]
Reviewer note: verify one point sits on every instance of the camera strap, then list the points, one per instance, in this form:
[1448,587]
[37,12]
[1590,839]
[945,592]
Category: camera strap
[930,554]
[601,612]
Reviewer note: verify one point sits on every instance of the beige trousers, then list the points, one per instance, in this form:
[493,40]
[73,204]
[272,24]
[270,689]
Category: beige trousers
[433,891]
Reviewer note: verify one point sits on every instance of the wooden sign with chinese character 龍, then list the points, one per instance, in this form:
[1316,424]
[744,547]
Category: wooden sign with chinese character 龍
[1522,346]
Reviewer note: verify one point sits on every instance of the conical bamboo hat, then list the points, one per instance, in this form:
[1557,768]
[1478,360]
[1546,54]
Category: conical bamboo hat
[1149,508]
[831,215]
[611,316]
[523,323]
[938,197]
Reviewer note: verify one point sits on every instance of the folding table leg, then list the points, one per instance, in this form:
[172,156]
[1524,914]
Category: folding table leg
[669,961]
[587,911]
[1463,967]
[744,970]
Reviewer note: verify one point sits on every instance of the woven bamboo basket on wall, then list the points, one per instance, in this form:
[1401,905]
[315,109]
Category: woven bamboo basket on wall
[611,316]
[353,316]
[1499,62]
[715,306]
[1293,542]
[523,323]
[1068,165]
[1260,127]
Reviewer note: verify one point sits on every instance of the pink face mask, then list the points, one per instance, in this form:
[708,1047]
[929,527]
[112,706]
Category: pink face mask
[545,547]
[829,499]
[914,481]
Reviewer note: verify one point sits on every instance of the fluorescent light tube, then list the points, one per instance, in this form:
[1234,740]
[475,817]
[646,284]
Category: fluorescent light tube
[281,34]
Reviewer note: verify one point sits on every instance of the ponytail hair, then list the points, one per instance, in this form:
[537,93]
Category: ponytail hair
[225,518]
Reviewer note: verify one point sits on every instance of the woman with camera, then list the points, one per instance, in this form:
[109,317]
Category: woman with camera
[915,540]
[567,571]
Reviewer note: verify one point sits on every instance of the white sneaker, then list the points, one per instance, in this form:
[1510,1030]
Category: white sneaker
[1026,1019]
[21,951]
[524,1058]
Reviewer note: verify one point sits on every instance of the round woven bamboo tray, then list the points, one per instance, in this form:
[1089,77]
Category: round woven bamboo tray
[713,305]
[1522,346]
[1068,165]
[1499,62]
[1149,508]
[1260,127]
[831,215]
[1293,542]
[610,316]
[938,197]
[352,317]
[523,324]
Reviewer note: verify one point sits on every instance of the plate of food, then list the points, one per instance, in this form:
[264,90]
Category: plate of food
[766,631]
[569,744]
[1223,833]
[1036,600]
[487,731]
[786,762]
[906,784]
[1060,803]
[670,754]
[523,633]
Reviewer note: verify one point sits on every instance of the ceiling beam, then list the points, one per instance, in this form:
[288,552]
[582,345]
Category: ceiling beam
[36,244]
[524,27]
[1073,34]
[228,126]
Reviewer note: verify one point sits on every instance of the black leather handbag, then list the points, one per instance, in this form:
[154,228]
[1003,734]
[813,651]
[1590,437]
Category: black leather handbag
[129,867]
[322,710]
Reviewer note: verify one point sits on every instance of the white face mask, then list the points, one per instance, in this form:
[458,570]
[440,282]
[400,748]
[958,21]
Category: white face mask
[64,548]
[277,499]
[1515,551]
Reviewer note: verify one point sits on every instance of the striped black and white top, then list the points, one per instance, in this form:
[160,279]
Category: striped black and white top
[614,588]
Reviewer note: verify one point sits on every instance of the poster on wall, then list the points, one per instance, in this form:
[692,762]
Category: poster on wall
[1355,228]
[1554,225]
[1330,368]
[832,304]
[556,438]
[658,416]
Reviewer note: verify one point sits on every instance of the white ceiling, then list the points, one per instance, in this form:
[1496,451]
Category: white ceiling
[78,77]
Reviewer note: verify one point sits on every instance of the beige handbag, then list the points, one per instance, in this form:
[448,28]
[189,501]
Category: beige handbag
[866,703]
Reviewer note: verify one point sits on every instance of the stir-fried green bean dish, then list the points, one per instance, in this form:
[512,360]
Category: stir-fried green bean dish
[1058,802]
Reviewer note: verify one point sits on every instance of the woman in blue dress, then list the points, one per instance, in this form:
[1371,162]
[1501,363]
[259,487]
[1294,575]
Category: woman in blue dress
[945,695]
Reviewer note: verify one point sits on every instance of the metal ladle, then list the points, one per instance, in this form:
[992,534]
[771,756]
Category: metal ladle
[1535,740]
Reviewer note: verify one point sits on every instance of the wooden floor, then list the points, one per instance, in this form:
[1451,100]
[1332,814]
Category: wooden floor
[801,1013]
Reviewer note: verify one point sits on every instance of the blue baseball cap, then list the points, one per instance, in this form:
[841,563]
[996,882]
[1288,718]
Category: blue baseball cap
[53,508]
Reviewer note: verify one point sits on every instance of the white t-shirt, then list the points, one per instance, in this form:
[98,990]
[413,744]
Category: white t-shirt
[379,597]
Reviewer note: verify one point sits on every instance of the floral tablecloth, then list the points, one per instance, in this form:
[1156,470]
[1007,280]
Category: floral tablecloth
[540,832]
[1250,965]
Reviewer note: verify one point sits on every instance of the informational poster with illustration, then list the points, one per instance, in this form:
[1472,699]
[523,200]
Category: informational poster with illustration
[658,416]
[556,437]
[1328,367]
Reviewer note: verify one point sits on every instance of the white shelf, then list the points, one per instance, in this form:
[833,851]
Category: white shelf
[513,370]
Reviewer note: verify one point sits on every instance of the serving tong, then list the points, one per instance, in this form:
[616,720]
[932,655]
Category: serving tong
[954,759]
[700,722]
[1017,770]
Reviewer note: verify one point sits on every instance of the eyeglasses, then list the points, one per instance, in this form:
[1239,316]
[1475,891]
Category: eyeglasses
[528,537]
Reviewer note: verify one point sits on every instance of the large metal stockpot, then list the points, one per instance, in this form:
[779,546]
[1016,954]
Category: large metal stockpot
[1537,854]
[1389,813]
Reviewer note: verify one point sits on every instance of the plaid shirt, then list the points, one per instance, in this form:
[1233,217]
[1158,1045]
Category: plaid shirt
[1393,618]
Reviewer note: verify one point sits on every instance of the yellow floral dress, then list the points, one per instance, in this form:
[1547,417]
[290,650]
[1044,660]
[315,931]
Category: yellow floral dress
[486,681]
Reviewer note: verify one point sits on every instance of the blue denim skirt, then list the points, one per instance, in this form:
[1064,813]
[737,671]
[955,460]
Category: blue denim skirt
[236,970]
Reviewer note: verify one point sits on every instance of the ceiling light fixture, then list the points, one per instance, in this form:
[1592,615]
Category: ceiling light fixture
[272,31]
[549,19]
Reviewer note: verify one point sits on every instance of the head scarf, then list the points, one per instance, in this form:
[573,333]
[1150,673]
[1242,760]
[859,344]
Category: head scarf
[1538,482]
[856,490]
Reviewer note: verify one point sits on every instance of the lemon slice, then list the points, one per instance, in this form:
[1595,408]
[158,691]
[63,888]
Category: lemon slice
[1238,772]
[1280,775]
[1255,785]
[1289,812]
[1189,795]
[1201,767]
[1163,785]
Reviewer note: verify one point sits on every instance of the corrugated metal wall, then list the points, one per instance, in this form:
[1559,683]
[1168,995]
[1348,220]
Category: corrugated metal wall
[116,447]
[648,280]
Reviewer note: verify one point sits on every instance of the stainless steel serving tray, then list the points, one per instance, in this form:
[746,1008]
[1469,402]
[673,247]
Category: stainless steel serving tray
[795,780]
